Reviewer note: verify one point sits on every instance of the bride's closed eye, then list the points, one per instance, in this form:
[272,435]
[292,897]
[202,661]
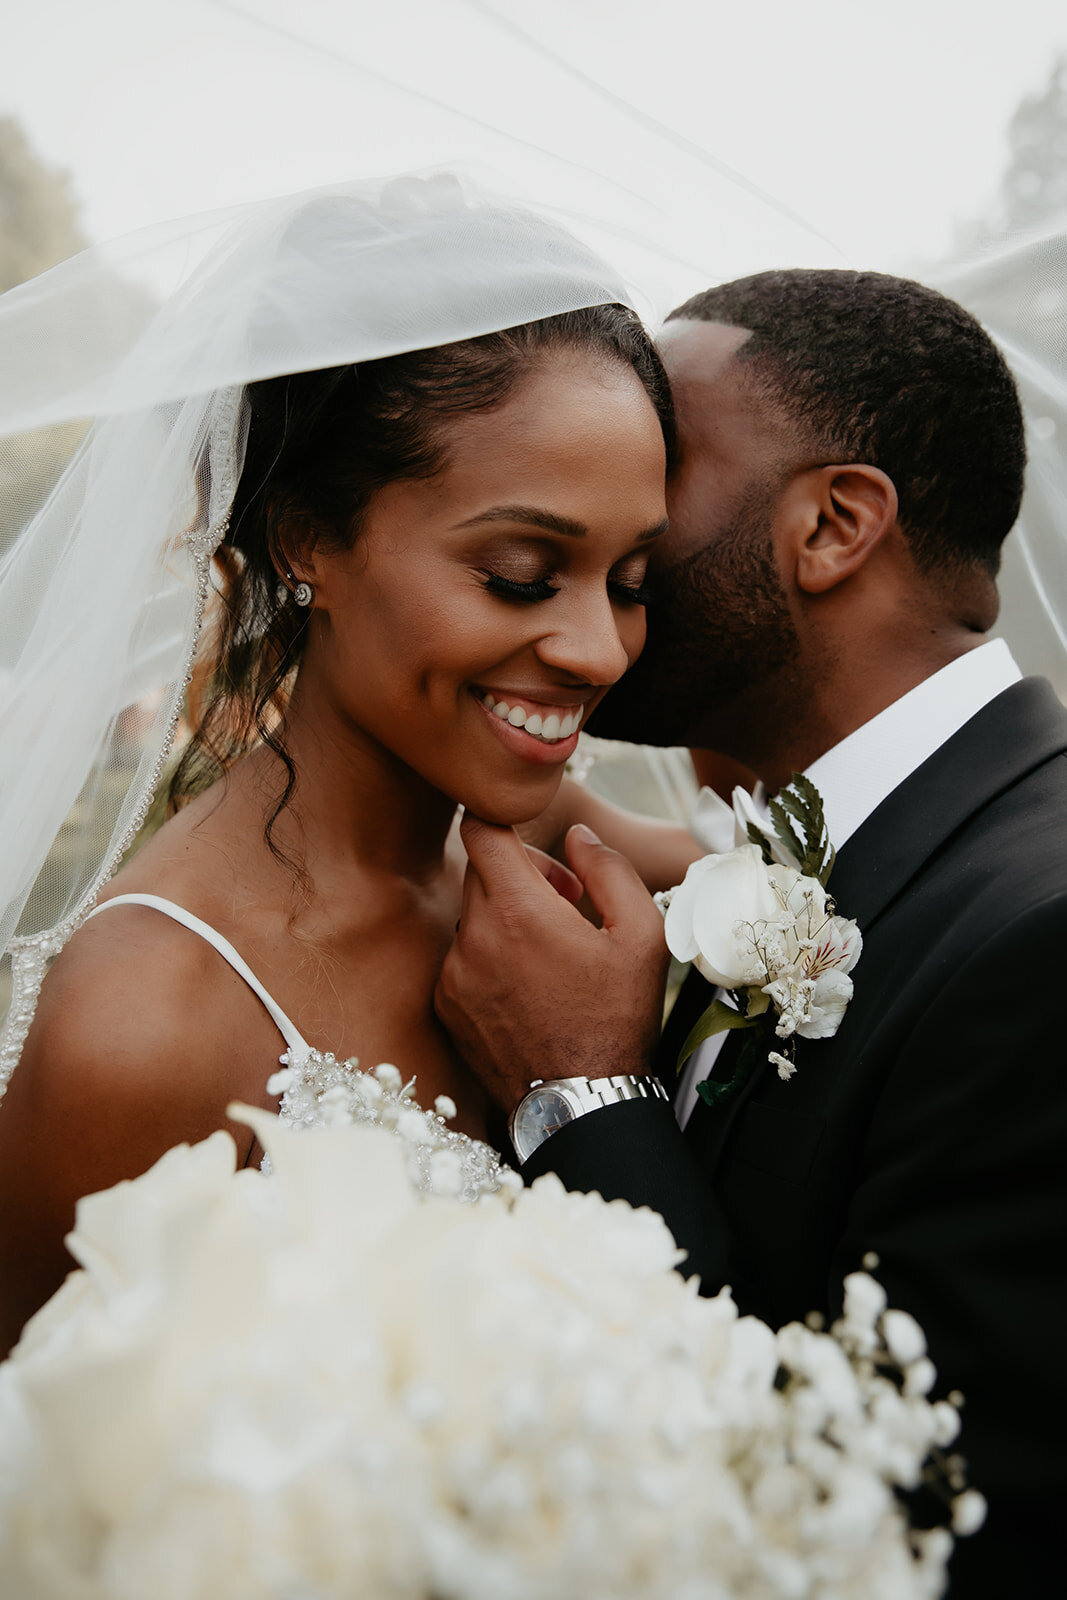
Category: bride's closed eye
[634,594]
[637,594]
[630,588]
[512,589]
[627,582]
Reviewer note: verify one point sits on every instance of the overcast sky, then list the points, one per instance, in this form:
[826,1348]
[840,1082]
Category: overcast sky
[880,125]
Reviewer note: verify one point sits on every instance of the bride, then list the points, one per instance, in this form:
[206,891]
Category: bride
[431,569]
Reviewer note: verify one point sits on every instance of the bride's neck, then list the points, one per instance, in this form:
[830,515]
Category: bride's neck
[355,802]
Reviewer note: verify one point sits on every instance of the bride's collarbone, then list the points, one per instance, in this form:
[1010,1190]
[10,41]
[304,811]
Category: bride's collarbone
[354,976]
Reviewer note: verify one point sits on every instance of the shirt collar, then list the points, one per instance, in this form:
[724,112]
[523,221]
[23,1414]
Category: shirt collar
[865,767]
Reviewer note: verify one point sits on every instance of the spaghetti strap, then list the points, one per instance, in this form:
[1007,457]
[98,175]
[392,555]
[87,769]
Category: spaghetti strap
[296,1045]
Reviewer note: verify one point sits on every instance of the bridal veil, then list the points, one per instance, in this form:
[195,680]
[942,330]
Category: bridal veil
[144,348]
[132,359]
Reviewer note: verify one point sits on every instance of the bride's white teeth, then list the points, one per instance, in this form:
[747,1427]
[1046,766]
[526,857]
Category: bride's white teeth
[550,729]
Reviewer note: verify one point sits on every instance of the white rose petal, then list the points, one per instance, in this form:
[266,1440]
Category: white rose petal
[720,898]
[802,897]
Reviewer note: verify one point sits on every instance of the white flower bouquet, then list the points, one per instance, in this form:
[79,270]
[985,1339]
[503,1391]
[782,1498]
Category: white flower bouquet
[316,1384]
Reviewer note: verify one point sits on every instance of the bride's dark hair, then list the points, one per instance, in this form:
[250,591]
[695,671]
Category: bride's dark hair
[320,444]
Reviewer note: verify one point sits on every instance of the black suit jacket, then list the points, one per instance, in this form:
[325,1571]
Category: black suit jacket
[932,1129]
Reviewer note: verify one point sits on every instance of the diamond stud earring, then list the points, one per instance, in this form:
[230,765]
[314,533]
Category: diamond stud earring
[303,594]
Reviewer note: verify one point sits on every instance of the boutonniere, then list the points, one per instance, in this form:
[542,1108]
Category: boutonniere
[758,922]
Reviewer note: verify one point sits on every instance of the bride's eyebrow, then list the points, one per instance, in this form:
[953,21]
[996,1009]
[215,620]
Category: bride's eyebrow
[550,521]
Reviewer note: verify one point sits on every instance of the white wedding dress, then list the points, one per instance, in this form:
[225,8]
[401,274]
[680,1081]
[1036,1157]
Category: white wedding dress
[316,1089]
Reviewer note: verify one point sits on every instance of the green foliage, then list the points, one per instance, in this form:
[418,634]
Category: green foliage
[757,837]
[810,847]
[751,1004]
[716,1019]
[713,1091]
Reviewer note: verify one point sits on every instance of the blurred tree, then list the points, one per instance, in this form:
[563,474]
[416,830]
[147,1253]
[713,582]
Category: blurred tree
[38,227]
[38,214]
[1034,186]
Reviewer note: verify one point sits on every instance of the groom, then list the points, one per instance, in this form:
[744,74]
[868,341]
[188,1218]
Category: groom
[850,460]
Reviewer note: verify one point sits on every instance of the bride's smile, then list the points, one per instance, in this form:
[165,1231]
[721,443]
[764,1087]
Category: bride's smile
[481,613]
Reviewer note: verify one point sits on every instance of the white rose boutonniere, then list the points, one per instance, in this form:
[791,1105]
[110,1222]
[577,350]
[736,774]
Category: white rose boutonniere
[758,922]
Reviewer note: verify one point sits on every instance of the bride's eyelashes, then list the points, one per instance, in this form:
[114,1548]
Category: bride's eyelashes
[640,594]
[540,589]
[512,589]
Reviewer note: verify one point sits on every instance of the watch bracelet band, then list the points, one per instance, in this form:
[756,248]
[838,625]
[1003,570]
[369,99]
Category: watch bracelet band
[609,1091]
[593,1093]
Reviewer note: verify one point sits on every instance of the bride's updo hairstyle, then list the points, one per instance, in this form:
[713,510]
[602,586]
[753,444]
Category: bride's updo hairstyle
[320,445]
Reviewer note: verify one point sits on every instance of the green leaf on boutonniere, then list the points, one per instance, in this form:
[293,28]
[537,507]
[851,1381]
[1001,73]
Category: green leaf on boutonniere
[787,837]
[716,1019]
[810,848]
[757,837]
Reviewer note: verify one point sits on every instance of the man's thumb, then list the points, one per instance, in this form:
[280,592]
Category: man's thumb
[610,881]
[496,853]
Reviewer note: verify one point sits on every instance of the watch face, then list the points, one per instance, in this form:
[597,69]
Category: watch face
[543,1112]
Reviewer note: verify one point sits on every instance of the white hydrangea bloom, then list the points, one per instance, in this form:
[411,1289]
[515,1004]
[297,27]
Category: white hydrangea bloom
[328,1379]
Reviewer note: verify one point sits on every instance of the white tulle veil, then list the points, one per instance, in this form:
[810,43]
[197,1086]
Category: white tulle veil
[1018,291]
[134,357]
[103,589]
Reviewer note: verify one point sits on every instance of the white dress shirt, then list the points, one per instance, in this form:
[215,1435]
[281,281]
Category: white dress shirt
[864,769]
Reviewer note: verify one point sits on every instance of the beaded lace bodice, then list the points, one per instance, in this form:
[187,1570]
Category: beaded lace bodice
[318,1090]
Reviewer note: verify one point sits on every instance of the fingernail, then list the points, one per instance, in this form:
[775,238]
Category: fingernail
[585,834]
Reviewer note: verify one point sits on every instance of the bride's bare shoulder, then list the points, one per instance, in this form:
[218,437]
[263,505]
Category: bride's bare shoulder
[126,1057]
[139,1041]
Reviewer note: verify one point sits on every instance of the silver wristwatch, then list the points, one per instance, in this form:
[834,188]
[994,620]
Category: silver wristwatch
[550,1105]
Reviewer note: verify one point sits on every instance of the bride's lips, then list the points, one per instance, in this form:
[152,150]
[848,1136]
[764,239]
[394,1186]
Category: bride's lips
[499,708]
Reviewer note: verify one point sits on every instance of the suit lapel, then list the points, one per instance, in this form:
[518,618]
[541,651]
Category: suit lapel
[1018,731]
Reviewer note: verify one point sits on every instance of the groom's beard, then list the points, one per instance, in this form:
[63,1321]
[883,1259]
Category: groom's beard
[719,633]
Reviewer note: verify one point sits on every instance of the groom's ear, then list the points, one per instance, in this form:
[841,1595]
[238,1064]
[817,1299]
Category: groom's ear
[837,517]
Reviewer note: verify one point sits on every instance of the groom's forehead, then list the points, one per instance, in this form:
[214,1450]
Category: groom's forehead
[717,408]
[698,354]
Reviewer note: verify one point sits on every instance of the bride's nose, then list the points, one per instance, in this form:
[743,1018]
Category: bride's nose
[585,639]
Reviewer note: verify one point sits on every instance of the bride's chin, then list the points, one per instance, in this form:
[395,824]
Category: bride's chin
[511,810]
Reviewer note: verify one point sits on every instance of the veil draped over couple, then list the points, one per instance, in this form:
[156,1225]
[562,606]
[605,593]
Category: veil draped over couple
[371,500]
[373,513]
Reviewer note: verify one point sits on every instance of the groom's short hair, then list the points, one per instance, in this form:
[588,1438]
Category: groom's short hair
[867,367]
